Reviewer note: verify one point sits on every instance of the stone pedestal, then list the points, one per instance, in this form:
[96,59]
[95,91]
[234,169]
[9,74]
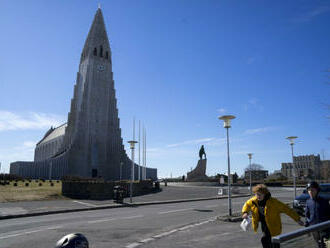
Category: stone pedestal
[198,174]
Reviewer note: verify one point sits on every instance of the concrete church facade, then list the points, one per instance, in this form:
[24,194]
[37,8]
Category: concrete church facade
[90,143]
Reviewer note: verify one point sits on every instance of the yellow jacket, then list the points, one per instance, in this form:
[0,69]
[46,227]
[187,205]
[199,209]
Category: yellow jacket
[273,209]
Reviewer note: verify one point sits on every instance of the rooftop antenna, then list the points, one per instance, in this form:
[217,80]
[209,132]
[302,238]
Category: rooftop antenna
[99,5]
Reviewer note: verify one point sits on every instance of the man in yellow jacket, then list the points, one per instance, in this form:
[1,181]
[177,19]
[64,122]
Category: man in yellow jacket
[267,210]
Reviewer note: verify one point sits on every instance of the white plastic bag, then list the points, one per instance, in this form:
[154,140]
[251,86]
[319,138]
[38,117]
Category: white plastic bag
[245,224]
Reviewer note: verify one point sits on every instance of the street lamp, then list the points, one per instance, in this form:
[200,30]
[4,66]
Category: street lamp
[226,124]
[250,157]
[291,139]
[132,143]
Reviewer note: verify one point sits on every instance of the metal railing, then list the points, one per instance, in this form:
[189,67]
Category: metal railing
[300,238]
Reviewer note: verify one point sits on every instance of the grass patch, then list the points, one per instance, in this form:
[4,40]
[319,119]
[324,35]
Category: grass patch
[33,192]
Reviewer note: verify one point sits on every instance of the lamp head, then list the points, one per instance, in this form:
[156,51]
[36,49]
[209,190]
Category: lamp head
[132,143]
[250,155]
[291,139]
[226,120]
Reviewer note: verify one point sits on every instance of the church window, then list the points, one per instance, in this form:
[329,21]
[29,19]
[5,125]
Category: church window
[101,51]
[106,54]
[95,52]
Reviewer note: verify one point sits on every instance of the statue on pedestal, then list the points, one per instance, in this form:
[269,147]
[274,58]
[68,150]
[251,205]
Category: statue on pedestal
[198,174]
[202,152]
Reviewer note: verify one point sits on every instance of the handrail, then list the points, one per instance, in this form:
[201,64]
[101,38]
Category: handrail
[287,236]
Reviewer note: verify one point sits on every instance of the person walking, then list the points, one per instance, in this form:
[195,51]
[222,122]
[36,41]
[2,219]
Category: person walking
[266,210]
[317,211]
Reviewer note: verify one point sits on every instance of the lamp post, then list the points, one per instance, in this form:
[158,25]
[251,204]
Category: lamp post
[250,157]
[132,144]
[291,139]
[226,124]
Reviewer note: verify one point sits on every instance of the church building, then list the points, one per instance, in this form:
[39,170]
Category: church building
[90,143]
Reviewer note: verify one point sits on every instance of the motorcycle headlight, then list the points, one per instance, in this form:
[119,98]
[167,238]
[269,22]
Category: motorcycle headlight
[296,203]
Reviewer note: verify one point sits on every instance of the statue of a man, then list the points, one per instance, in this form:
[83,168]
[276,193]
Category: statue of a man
[202,152]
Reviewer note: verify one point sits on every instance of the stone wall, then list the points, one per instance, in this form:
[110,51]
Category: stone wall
[98,190]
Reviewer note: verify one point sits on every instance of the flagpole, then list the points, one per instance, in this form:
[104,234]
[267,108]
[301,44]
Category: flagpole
[140,168]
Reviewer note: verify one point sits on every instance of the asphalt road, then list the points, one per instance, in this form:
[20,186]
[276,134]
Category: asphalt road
[144,226]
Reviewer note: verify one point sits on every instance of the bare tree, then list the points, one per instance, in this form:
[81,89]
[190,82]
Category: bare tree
[254,167]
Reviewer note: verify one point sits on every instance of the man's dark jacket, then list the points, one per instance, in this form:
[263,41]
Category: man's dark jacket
[317,210]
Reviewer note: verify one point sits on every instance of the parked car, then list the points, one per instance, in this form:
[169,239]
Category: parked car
[299,204]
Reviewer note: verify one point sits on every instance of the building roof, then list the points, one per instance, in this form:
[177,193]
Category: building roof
[53,133]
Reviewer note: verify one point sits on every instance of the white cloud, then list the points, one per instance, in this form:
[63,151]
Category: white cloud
[253,103]
[222,110]
[24,152]
[308,15]
[250,60]
[153,149]
[259,130]
[29,144]
[28,121]
[192,142]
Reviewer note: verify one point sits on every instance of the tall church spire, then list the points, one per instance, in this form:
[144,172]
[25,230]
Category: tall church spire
[97,43]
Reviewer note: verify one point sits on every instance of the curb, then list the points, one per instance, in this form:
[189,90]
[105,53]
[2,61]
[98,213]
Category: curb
[236,217]
[15,216]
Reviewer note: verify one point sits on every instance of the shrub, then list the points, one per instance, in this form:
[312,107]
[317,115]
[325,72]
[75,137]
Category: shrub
[52,184]
[4,176]
[40,184]
[15,184]
[57,181]
[26,184]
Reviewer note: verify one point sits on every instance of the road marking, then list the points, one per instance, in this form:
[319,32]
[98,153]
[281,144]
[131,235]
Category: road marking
[28,232]
[173,211]
[146,240]
[54,227]
[86,204]
[110,219]
[185,227]
[99,221]
[131,217]
[133,245]
[201,223]
[164,234]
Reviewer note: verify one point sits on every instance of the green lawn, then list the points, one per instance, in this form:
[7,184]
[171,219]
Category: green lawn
[10,193]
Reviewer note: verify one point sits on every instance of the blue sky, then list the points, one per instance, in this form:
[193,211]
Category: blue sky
[178,65]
